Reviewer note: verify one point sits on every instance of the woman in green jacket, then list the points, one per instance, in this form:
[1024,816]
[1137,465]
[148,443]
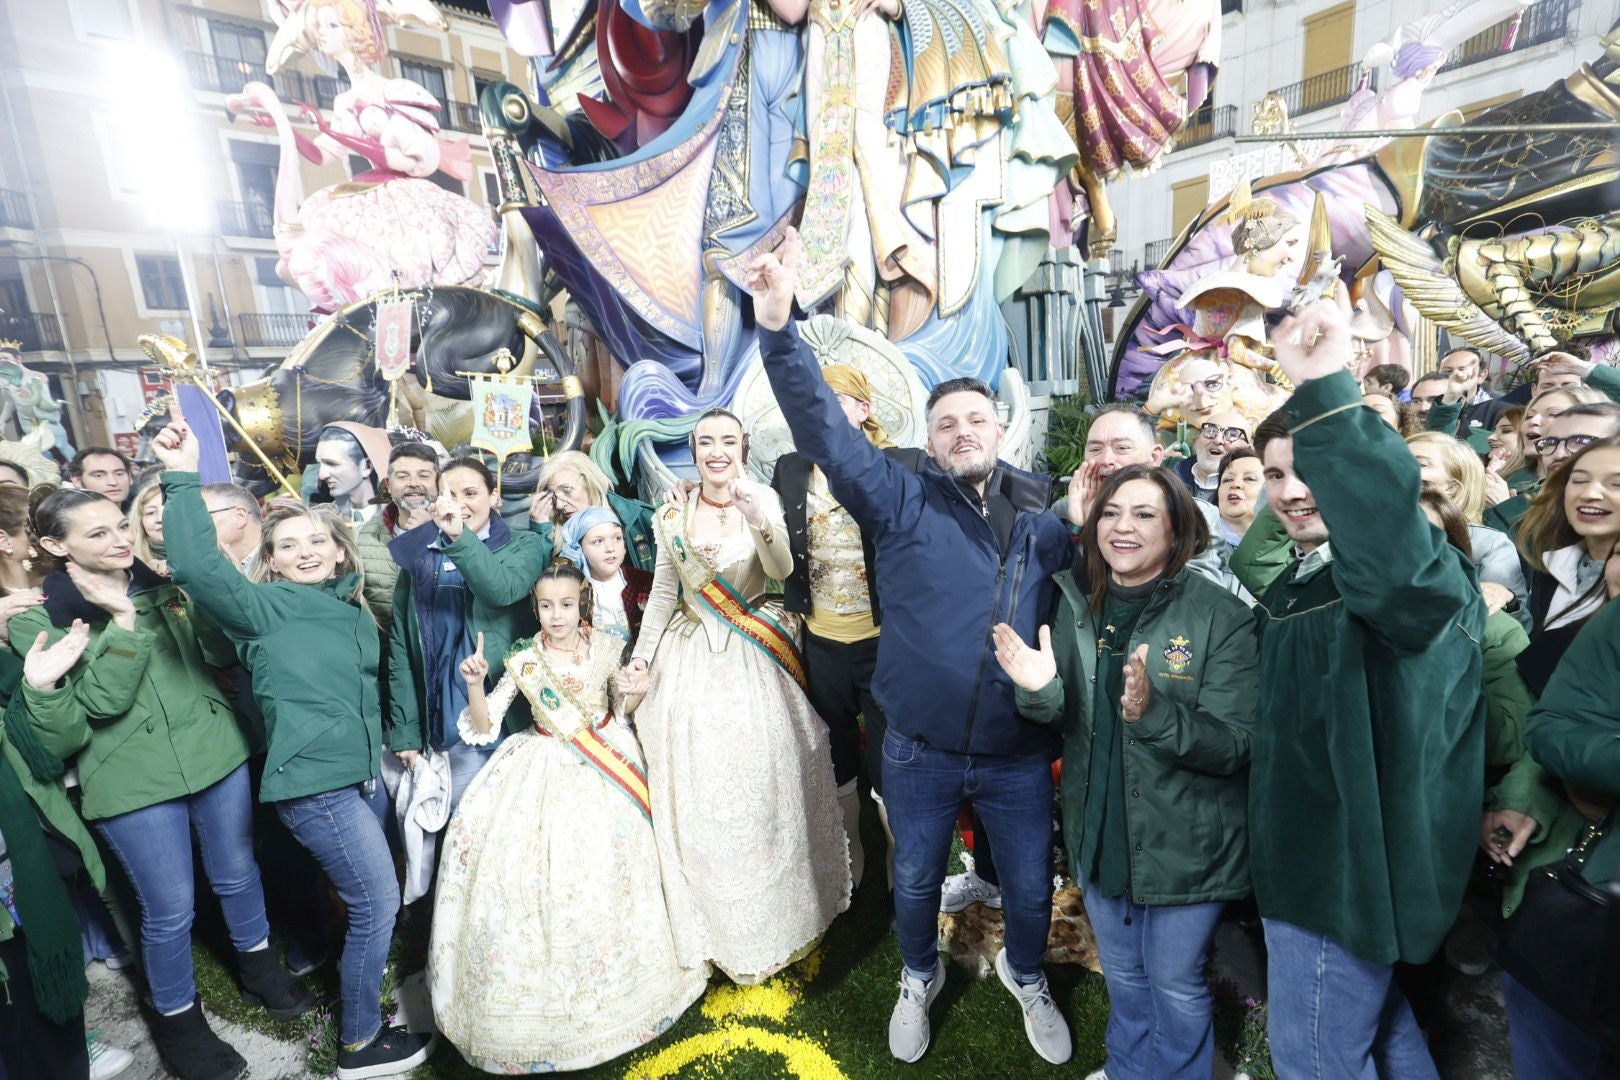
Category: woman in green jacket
[569,483]
[302,628]
[160,758]
[1151,672]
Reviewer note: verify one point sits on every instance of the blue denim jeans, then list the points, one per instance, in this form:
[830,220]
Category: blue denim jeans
[153,844]
[1544,1042]
[341,829]
[923,789]
[1334,1016]
[1161,1019]
[466,762]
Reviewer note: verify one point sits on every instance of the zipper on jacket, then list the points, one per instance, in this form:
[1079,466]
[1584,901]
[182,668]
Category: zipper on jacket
[984,656]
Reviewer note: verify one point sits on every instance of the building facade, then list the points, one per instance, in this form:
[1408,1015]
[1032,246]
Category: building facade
[86,266]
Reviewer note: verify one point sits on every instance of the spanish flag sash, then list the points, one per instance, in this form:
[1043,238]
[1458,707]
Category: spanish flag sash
[560,714]
[721,598]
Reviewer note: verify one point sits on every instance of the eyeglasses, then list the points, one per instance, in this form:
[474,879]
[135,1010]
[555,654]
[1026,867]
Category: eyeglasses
[1224,434]
[1548,445]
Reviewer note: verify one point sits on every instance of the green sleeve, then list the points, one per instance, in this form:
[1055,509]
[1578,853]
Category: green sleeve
[1507,700]
[58,720]
[1043,706]
[1532,791]
[1574,732]
[1264,553]
[1605,378]
[404,708]
[1443,417]
[213,582]
[1394,570]
[1213,736]
[108,677]
[498,578]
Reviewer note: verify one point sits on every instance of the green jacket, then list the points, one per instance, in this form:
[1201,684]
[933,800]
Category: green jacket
[50,800]
[140,709]
[1574,730]
[312,650]
[1369,758]
[1186,761]
[380,571]
[500,583]
[1606,379]
[640,547]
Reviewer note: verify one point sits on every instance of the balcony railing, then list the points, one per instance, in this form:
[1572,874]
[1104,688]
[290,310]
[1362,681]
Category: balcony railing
[1207,125]
[1546,21]
[1325,90]
[327,88]
[1153,254]
[460,116]
[223,75]
[14,210]
[36,331]
[245,219]
[266,330]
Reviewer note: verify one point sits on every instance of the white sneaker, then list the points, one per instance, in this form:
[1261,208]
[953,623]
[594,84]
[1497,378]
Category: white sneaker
[106,1061]
[1099,1074]
[908,1024]
[1047,1030]
[963,890]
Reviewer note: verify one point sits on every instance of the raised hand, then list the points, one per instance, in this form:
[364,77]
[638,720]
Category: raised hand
[1313,343]
[749,500]
[176,448]
[102,592]
[1496,488]
[1138,694]
[1559,363]
[448,516]
[543,506]
[1459,388]
[475,667]
[1028,668]
[771,280]
[45,665]
[1084,486]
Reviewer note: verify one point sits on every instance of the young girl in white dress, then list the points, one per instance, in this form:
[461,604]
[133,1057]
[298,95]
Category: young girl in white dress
[551,946]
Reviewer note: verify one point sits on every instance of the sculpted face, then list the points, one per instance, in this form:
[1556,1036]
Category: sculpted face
[343,474]
[1211,389]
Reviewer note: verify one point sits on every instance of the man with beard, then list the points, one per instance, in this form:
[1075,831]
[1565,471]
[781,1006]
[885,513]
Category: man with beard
[955,557]
[413,483]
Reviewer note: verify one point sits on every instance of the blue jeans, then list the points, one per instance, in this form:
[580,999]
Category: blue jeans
[1334,1016]
[923,789]
[1161,1020]
[341,829]
[465,763]
[1544,1042]
[153,844]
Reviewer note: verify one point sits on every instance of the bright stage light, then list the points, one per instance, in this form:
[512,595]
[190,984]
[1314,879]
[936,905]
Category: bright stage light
[161,161]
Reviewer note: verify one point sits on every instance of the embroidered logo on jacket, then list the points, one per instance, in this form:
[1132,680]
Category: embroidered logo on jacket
[1177,654]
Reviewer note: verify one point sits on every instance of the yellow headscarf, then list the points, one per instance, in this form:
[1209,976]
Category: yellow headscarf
[844,379]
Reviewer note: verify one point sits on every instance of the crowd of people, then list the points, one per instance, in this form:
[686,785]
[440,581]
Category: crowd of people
[1348,667]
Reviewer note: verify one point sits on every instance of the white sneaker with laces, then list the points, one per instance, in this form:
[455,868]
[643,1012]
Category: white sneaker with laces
[908,1024]
[106,1061]
[962,891]
[1047,1030]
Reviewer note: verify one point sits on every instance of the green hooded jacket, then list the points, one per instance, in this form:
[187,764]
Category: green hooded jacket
[1369,758]
[640,547]
[313,651]
[1186,761]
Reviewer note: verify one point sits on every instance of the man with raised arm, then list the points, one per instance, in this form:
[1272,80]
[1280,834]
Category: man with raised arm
[1368,760]
[955,559]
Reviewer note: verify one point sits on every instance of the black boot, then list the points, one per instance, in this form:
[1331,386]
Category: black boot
[191,1050]
[267,984]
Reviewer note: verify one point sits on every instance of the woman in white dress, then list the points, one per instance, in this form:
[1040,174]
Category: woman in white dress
[745,811]
[551,945]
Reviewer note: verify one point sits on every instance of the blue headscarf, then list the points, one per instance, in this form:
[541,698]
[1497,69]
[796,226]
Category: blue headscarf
[574,530]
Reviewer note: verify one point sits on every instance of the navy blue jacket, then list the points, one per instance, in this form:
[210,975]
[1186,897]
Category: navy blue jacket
[945,580]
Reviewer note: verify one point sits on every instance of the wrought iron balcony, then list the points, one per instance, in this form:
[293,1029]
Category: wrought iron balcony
[1207,125]
[14,210]
[1546,21]
[1325,90]
[245,219]
[37,331]
[327,88]
[1153,254]
[267,330]
[224,75]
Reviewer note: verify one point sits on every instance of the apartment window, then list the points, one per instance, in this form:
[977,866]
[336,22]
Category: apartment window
[235,42]
[105,19]
[480,82]
[1187,200]
[426,76]
[1228,7]
[161,284]
[1328,38]
[492,189]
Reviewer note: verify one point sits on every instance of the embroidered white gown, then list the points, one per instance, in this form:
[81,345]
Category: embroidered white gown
[745,811]
[551,944]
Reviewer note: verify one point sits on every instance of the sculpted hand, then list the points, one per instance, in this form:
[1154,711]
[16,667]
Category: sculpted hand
[1138,693]
[1028,668]
[1312,344]
[11,606]
[475,667]
[771,280]
[1503,834]
[176,448]
[44,665]
[447,515]
[748,496]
